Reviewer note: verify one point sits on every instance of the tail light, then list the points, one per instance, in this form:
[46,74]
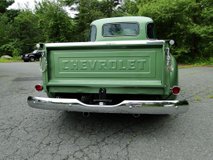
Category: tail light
[175,90]
[38,87]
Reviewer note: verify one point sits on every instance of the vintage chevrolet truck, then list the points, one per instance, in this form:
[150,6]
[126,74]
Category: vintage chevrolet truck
[122,69]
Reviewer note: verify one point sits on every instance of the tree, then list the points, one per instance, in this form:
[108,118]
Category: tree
[130,7]
[54,23]
[90,11]
[184,21]
[4,4]
[6,18]
[26,32]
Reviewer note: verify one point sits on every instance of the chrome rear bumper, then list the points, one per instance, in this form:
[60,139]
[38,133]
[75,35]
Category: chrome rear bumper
[127,106]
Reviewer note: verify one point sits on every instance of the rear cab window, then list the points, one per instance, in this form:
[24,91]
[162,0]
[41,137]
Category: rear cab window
[151,31]
[120,29]
[93,32]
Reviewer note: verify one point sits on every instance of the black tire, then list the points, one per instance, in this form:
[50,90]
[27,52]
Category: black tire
[32,59]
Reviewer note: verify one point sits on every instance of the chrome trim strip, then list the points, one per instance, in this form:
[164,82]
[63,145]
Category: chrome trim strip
[101,43]
[127,106]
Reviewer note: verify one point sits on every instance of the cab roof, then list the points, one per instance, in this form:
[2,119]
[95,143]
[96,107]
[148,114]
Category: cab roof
[138,19]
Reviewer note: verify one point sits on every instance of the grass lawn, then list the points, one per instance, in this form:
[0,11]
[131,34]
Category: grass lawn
[14,59]
[197,64]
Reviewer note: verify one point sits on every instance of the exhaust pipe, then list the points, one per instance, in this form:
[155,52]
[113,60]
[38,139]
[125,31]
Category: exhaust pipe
[86,114]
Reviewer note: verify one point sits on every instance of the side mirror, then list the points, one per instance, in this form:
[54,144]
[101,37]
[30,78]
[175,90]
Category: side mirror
[171,42]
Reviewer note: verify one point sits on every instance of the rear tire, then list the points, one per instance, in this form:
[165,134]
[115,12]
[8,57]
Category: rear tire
[32,59]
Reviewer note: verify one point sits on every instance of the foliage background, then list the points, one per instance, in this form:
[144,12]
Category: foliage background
[188,22]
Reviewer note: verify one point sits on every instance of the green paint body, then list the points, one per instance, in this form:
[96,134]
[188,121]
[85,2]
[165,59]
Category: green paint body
[140,69]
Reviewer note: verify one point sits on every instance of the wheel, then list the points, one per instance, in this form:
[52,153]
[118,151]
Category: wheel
[32,59]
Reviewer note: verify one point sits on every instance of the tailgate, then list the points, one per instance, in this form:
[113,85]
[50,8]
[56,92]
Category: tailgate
[106,66]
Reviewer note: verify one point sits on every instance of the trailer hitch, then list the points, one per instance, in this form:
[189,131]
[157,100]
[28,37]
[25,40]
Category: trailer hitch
[102,99]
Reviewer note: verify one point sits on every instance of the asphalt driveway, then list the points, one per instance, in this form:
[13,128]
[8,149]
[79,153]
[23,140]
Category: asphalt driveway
[27,133]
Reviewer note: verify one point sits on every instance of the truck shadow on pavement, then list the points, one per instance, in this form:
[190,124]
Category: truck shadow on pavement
[113,123]
[115,118]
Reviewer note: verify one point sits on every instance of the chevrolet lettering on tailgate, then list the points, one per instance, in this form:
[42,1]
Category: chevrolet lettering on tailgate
[103,65]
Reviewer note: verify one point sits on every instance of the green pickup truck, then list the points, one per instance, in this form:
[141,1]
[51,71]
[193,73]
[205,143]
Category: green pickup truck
[122,69]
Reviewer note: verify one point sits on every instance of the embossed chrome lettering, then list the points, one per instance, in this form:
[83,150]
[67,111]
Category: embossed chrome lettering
[103,65]
[92,64]
[83,64]
[73,65]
